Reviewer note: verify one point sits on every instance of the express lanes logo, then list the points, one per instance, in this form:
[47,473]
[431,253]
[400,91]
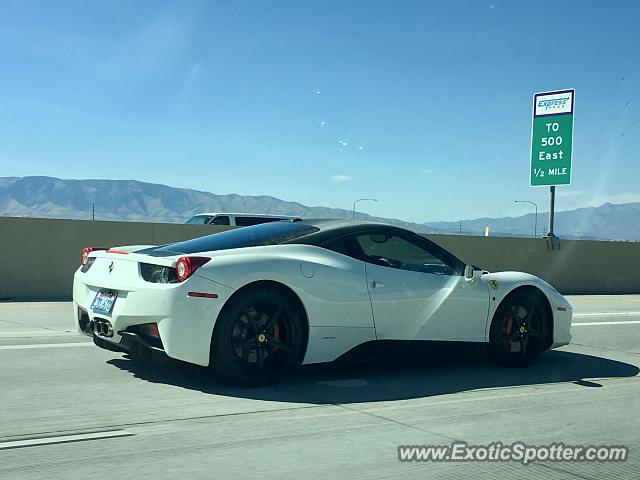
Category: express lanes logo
[554,103]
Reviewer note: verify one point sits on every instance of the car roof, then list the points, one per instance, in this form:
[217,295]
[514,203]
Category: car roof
[330,229]
[333,223]
[261,215]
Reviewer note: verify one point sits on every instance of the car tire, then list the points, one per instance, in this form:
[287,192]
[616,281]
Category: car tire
[519,330]
[258,338]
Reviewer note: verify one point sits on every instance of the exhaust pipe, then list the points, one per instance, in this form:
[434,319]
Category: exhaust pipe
[103,328]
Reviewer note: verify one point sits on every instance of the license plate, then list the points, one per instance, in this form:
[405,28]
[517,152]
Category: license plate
[104,300]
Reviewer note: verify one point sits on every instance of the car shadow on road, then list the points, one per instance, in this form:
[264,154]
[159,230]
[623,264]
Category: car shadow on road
[394,374]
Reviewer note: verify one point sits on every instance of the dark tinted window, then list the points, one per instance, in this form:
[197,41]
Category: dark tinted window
[398,252]
[248,221]
[221,220]
[346,246]
[273,233]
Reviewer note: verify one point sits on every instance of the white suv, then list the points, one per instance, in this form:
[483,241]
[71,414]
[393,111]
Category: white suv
[235,219]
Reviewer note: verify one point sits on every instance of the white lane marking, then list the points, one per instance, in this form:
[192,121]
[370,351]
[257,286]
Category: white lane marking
[605,314]
[33,442]
[38,333]
[628,322]
[45,345]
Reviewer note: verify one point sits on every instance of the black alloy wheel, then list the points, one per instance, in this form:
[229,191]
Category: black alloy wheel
[519,330]
[260,337]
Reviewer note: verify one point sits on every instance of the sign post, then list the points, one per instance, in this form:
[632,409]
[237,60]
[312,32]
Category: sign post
[551,145]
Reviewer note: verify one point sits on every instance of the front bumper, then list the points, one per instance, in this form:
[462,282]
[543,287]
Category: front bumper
[562,317]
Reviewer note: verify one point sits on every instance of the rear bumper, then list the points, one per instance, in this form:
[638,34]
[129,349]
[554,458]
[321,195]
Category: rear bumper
[134,345]
[185,323]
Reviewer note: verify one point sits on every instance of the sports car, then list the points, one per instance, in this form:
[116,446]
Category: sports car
[252,303]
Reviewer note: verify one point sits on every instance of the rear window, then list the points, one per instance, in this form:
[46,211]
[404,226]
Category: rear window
[273,233]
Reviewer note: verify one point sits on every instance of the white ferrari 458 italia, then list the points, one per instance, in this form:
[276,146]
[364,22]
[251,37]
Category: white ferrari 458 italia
[254,302]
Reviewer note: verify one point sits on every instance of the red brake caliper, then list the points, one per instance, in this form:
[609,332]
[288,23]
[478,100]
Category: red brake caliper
[506,329]
[276,335]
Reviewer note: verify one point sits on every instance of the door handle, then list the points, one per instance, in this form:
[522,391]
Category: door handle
[376,284]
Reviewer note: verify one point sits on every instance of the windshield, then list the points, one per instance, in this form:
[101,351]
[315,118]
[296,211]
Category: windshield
[272,233]
[199,220]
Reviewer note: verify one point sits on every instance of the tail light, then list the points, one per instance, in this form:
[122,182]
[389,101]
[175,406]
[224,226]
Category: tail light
[152,330]
[84,254]
[186,266]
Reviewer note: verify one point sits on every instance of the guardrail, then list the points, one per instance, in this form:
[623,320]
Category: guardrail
[39,256]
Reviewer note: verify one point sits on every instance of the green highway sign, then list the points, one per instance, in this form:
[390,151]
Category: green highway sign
[552,138]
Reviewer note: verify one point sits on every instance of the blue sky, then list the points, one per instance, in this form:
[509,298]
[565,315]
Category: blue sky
[423,105]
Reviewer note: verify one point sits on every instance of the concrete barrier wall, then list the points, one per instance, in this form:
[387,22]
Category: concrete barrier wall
[39,256]
[578,267]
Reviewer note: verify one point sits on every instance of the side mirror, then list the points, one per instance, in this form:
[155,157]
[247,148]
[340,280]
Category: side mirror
[471,273]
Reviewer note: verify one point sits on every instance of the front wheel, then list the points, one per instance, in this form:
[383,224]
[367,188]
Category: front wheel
[519,330]
[260,337]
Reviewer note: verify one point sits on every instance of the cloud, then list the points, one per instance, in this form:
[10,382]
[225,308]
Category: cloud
[426,171]
[150,51]
[570,193]
[582,199]
[341,178]
[598,200]
[137,55]
[189,81]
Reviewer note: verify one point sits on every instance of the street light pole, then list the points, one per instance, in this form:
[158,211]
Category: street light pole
[535,223]
[353,215]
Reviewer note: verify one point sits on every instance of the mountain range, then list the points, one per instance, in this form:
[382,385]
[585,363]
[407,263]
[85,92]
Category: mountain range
[606,222]
[132,200]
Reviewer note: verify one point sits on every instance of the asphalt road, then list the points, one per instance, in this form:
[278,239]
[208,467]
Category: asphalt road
[70,410]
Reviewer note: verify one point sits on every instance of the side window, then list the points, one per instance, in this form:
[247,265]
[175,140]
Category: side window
[220,220]
[199,220]
[346,246]
[397,252]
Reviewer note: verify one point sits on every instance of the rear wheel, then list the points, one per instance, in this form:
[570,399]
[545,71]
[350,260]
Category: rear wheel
[259,337]
[519,330]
